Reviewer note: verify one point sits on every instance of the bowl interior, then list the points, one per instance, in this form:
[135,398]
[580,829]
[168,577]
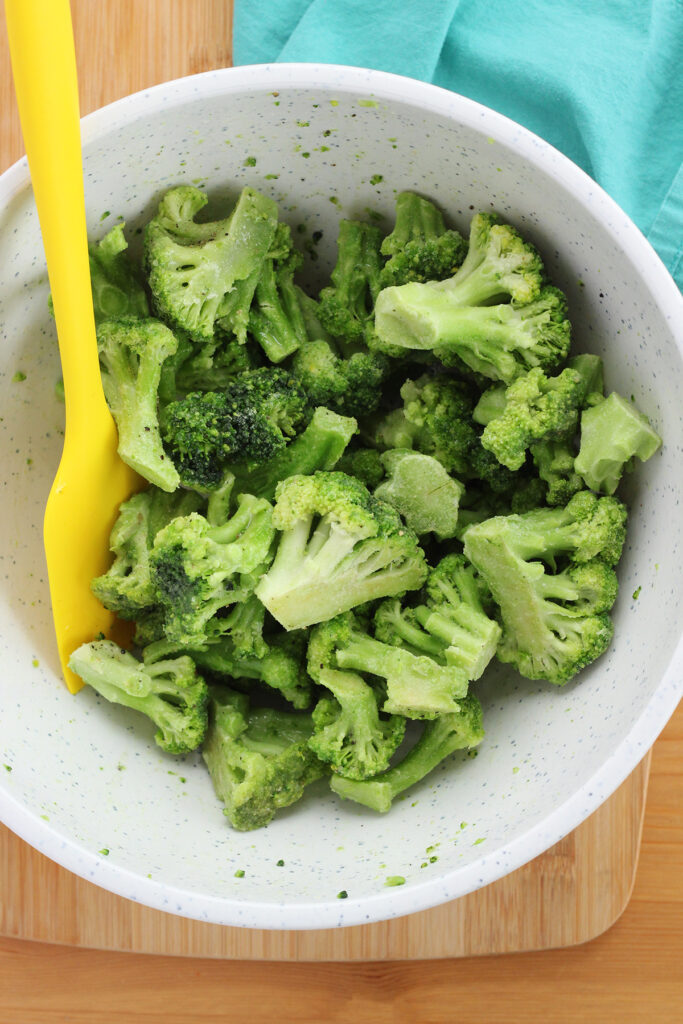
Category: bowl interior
[82,777]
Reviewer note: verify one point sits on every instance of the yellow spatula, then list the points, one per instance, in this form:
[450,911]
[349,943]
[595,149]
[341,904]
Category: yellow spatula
[91,480]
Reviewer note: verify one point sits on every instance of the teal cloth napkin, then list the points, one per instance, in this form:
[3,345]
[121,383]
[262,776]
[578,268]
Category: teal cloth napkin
[602,80]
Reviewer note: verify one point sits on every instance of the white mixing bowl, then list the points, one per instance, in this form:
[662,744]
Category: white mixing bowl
[83,781]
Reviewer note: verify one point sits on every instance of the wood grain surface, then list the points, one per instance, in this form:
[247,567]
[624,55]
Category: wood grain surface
[629,974]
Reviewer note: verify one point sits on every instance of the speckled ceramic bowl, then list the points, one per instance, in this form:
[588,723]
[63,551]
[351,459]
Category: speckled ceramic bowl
[82,781]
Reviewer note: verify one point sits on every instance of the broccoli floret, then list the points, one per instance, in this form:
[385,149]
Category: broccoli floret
[613,433]
[259,761]
[363,463]
[116,289]
[440,738]
[196,567]
[126,588]
[553,624]
[420,247]
[422,491]
[170,692]
[554,462]
[252,419]
[280,667]
[349,734]
[536,408]
[199,273]
[339,547]
[451,625]
[455,317]
[592,373]
[319,447]
[500,342]
[212,367]
[351,386]
[435,420]
[346,306]
[132,353]
[276,319]
[418,686]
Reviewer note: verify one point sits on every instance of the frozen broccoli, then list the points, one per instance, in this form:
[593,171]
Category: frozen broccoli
[319,447]
[339,547]
[555,621]
[420,489]
[418,685]
[349,733]
[346,306]
[436,419]
[170,692]
[199,273]
[420,248]
[276,319]
[251,419]
[116,289]
[451,625]
[613,434]
[196,567]
[440,738]
[363,463]
[132,353]
[126,588]
[280,667]
[259,760]
[535,408]
[213,366]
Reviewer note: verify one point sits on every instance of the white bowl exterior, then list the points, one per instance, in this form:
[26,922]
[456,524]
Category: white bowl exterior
[82,776]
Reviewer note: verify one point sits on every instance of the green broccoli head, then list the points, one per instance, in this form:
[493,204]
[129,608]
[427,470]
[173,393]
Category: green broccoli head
[420,489]
[499,342]
[351,386]
[554,462]
[536,408]
[452,623]
[319,447]
[132,353]
[435,420]
[212,367]
[363,463]
[250,420]
[613,434]
[499,264]
[420,247]
[418,685]
[349,733]
[554,622]
[259,760]
[276,319]
[116,289]
[199,273]
[346,305]
[170,692]
[442,737]
[196,568]
[279,665]
[126,588]
[339,547]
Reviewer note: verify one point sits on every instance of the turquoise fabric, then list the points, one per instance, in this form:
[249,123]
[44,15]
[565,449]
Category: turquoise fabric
[602,80]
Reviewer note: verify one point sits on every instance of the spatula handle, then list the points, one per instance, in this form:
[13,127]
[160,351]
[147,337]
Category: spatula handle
[44,68]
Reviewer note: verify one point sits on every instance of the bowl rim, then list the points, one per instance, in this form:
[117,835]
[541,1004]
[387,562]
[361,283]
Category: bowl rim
[488,868]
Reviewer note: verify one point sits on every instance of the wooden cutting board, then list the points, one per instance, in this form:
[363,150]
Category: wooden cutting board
[569,894]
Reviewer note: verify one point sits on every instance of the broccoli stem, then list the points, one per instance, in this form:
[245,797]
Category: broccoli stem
[440,738]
